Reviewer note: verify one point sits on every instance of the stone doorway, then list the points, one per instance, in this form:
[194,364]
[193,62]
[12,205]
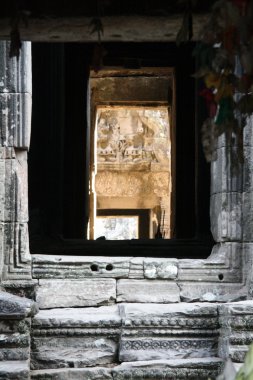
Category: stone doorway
[132,172]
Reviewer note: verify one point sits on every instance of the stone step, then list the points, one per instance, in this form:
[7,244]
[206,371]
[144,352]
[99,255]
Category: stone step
[84,337]
[15,370]
[207,368]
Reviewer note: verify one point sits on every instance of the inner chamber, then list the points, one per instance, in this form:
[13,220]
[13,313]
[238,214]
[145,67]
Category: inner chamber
[132,172]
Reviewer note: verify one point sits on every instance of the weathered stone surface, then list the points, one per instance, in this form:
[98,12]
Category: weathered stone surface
[148,89]
[14,370]
[13,307]
[225,264]
[67,351]
[75,293]
[75,337]
[136,268]
[15,115]
[147,291]
[200,369]
[13,187]
[20,288]
[131,28]
[132,349]
[226,216]
[247,218]
[15,327]
[102,317]
[155,314]
[98,373]
[168,331]
[248,132]
[248,169]
[223,178]
[51,266]
[15,258]
[160,268]
[236,320]
[15,74]
[210,292]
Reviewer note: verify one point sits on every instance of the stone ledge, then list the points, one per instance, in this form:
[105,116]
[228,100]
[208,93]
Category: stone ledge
[57,267]
[14,307]
[98,373]
[76,293]
[104,316]
[14,370]
[200,369]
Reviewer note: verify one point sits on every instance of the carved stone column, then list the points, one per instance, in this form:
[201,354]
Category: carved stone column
[231,202]
[15,122]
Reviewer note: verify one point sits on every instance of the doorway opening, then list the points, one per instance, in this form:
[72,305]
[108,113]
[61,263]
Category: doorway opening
[132,172]
[132,153]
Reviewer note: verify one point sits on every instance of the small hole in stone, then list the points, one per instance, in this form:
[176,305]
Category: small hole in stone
[71,365]
[94,267]
[109,267]
[221,277]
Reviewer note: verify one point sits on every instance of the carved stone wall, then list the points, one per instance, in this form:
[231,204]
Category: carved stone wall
[15,120]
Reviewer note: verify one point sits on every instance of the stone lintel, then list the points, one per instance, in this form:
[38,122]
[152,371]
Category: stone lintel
[116,28]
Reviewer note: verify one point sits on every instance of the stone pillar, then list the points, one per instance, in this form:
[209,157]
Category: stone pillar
[247,204]
[232,202]
[15,124]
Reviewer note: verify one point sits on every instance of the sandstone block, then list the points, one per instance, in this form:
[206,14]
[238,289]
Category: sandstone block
[225,264]
[161,348]
[102,317]
[160,268]
[77,337]
[14,307]
[13,188]
[52,266]
[15,74]
[248,132]
[236,321]
[75,293]
[152,331]
[223,178]
[15,114]
[147,291]
[247,217]
[15,370]
[75,351]
[200,369]
[16,259]
[211,292]
[226,216]
[97,373]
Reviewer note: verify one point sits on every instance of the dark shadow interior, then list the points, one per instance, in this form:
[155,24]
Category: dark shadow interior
[58,187]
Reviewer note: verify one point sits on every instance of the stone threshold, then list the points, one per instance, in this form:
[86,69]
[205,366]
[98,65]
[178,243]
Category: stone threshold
[219,278]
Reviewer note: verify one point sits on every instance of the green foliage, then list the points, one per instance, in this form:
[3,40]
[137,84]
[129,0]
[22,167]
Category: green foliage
[246,371]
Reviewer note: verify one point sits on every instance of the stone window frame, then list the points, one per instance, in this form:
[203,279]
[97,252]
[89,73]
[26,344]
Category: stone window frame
[224,275]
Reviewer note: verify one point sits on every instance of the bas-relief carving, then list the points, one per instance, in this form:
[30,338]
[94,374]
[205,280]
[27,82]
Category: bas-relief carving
[133,135]
[109,183]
